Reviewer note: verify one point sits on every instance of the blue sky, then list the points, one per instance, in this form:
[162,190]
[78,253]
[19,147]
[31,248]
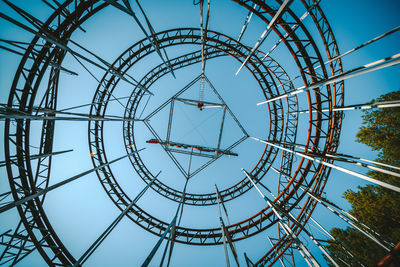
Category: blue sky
[81,210]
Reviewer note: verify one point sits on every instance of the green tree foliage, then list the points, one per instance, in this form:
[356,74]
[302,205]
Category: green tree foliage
[381,130]
[375,206]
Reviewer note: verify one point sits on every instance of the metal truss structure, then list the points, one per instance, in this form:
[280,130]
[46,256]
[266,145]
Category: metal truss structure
[302,170]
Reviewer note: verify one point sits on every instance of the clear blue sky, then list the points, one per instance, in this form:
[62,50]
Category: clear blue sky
[81,210]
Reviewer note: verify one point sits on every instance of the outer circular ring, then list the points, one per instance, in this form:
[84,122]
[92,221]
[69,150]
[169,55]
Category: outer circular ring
[17,136]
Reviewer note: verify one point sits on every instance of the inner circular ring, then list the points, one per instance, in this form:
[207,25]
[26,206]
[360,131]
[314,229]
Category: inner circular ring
[193,236]
[216,48]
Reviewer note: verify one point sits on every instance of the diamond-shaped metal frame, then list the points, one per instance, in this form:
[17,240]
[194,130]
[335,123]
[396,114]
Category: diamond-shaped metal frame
[165,144]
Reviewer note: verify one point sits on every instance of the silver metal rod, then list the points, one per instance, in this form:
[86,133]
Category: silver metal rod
[229,238]
[264,35]
[38,156]
[362,45]
[329,207]
[109,229]
[347,217]
[90,104]
[203,33]
[221,129]
[340,157]
[246,23]
[155,41]
[293,29]
[173,222]
[223,205]
[376,65]
[104,62]
[94,77]
[51,63]
[280,258]
[46,36]
[222,230]
[13,113]
[52,187]
[293,219]
[41,118]
[171,112]
[310,235]
[356,107]
[353,173]
[326,232]
[305,252]
[128,10]
[323,250]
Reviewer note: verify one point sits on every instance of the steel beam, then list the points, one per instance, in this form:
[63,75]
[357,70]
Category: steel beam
[341,157]
[353,173]
[46,36]
[295,221]
[347,217]
[38,156]
[389,104]
[52,187]
[109,229]
[293,29]
[376,65]
[16,44]
[128,10]
[326,232]
[280,258]
[246,23]
[222,230]
[311,261]
[94,103]
[362,45]
[264,35]
[48,114]
[172,224]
